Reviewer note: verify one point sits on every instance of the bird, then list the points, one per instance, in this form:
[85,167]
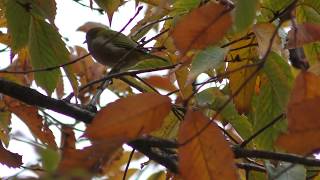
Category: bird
[115,50]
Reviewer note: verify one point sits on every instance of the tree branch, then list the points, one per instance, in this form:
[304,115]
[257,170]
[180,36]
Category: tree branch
[33,97]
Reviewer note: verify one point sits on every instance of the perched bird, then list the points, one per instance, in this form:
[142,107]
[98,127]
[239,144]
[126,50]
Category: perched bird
[110,47]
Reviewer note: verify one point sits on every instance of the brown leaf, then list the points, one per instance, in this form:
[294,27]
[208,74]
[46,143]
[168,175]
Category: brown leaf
[202,27]
[88,71]
[29,115]
[10,159]
[303,115]
[264,32]
[91,158]
[129,117]
[208,156]
[68,139]
[161,82]
[303,34]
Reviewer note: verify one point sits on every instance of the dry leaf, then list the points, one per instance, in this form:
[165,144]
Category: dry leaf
[68,139]
[29,115]
[202,27]
[91,158]
[264,32]
[88,71]
[303,116]
[161,82]
[207,156]
[303,34]
[129,117]
[8,158]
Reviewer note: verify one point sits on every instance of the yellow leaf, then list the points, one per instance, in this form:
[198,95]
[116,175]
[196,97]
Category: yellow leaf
[202,27]
[207,156]
[181,76]
[130,117]
[247,56]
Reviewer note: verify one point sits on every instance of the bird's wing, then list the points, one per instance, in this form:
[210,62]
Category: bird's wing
[121,40]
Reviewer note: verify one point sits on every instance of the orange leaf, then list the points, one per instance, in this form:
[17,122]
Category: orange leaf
[208,156]
[303,142]
[303,34]
[161,82]
[91,158]
[303,115]
[29,115]
[10,159]
[202,27]
[130,117]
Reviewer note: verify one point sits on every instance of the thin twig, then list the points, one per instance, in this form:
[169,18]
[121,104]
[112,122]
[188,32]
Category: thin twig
[263,59]
[84,5]
[244,143]
[47,68]
[146,83]
[128,164]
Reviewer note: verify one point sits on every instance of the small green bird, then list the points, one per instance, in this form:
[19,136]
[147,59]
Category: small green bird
[109,47]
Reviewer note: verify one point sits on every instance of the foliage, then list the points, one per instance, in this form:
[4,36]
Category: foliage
[240,98]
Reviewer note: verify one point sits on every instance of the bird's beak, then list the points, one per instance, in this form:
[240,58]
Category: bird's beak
[85,41]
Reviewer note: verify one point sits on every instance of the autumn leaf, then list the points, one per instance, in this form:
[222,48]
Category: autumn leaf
[202,158]
[264,32]
[246,57]
[110,6]
[29,115]
[91,158]
[161,82]
[129,117]
[303,34]
[302,136]
[9,159]
[202,27]
[181,75]
[68,139]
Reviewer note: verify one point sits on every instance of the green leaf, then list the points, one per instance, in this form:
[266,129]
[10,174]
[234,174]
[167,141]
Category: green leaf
[110,6]
[280,77]
[183,6]
[245,13]
[18,19]
[213,98]
[310,14]
[271,101]
[46,50]
[275,5]
[286,171]
[264,109]
[314,4]
[50,159]
[209,58]
[49,9]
